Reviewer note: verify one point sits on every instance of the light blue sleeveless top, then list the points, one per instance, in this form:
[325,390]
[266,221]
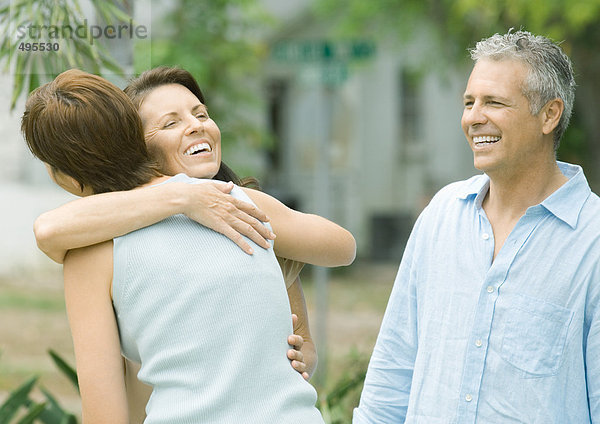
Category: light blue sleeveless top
[209,325]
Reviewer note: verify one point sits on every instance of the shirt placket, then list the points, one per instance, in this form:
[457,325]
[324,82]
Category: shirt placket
[477,346]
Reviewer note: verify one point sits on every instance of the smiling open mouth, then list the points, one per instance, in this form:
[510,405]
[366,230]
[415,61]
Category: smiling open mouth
[484,140]
[198,148]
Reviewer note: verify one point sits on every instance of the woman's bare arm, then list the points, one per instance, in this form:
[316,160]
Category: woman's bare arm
[88,276]
[304,356]
[138,393]
[305,237]
[102,217]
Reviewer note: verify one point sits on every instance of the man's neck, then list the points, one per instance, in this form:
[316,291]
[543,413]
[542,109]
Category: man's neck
[511,193]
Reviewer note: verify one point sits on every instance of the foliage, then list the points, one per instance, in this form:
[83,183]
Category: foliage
[48,412]
[458,23]
[218,41]
[46,22]
[337,402]
[455,25]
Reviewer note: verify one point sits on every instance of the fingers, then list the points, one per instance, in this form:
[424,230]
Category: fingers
[296,341]
[294,321]
[297,361]
[250,209]
[212,206]
[254,230]
[224,187]
[237,238]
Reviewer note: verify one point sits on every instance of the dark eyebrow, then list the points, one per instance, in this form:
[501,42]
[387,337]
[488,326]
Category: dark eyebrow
[199,106]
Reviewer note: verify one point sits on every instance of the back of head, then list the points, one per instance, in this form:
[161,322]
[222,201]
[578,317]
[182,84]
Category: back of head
[550,70]
[87,128]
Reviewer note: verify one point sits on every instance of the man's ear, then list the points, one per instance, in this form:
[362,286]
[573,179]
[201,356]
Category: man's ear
[551,114]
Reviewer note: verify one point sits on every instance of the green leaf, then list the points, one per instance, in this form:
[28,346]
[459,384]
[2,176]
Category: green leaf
[35,411]
[16,400]
[112,10]
[34,81]
[66,369]
[54,413]
[113,66]
[19,80]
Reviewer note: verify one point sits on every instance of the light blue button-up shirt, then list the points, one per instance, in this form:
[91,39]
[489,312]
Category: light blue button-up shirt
[466,339]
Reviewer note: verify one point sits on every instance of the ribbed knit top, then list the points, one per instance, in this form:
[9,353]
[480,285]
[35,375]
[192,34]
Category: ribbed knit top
[209,325]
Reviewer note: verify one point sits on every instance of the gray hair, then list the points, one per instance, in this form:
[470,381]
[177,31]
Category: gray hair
[550,75]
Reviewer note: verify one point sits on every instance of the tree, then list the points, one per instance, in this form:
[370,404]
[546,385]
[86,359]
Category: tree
[221,42]
[458,24]
[39,40]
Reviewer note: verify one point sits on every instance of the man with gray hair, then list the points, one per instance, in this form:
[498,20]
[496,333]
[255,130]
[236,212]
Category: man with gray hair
[495,313]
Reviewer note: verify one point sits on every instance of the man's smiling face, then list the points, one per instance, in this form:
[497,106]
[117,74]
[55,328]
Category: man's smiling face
[497,121]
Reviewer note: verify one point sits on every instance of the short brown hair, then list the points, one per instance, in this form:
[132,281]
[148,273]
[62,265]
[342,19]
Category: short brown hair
[87,128]
[139,88]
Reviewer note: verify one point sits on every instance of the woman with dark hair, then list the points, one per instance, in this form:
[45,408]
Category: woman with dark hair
[204,319]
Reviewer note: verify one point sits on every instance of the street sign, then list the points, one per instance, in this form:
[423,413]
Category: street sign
[319,51]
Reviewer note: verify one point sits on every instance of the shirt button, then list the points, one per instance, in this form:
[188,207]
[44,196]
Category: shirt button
[490,289]
[468,398]
[485,236]
[478,343]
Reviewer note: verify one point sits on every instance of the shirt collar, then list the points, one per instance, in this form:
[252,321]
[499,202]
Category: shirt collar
[565,203]
[474,186]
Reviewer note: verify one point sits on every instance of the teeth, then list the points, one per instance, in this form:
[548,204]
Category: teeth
[198,148]
[485,139]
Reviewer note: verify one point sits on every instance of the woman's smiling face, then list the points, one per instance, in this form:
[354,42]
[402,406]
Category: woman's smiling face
[179,133]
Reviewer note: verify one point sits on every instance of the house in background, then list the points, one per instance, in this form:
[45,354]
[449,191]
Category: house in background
[365,141]
[382,134]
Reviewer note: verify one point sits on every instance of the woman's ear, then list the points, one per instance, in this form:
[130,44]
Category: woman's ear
[68,183]
[551,114]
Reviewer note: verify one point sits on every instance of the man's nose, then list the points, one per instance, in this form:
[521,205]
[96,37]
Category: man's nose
[474,115]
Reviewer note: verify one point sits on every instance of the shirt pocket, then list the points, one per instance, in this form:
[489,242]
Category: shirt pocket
[535,334]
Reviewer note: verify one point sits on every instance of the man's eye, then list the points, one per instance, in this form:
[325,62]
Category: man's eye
[169,124]
[468,104]
[202,115]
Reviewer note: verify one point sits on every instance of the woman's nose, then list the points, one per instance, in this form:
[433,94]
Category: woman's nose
[194,125]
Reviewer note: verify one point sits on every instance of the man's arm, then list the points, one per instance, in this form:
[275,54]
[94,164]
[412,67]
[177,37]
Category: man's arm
[102,217]
[386,391]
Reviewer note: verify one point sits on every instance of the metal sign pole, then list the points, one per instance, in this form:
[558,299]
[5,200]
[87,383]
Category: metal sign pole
[321,274]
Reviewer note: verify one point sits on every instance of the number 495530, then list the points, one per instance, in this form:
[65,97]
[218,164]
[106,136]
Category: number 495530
[42,47]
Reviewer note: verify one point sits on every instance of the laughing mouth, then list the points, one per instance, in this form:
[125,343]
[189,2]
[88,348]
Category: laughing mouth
[198,148]
[485,140]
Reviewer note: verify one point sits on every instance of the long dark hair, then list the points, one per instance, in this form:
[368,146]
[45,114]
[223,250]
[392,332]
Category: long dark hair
[140,87]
